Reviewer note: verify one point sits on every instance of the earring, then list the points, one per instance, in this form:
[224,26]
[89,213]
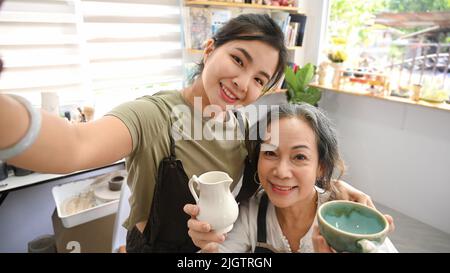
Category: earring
[320,181]
[256,179]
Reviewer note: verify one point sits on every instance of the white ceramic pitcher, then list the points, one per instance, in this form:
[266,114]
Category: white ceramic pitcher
[217,204]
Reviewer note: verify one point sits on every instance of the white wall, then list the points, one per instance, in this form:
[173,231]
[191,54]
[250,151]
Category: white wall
[397,153]
[317,15]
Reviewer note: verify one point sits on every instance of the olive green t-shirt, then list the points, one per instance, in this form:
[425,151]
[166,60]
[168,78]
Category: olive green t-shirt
[150,119]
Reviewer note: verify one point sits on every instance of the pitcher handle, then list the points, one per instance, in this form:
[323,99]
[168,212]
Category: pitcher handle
[191,187]
[369,246]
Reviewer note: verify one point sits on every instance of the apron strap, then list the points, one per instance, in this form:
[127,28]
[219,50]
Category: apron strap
[249,187]
[261,222]
[172,143]
[261,244]
[243,126]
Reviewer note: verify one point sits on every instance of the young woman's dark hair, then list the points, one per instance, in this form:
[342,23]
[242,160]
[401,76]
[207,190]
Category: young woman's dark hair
[253,27]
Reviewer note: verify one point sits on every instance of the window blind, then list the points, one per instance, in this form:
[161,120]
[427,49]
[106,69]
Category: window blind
[82,46]
[39,45]
[132,43]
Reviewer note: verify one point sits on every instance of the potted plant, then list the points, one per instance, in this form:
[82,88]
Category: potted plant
[298,85]
[337,57]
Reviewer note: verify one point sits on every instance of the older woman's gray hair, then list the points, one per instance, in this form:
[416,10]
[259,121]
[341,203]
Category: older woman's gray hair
[327,144]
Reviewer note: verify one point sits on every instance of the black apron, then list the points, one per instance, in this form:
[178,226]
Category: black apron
[261,243]
[166,229]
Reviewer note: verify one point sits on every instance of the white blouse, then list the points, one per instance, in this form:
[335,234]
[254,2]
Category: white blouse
[242,238]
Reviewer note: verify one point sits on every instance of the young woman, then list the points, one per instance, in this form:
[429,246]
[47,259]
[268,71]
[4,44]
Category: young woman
[246,58]
[295,162]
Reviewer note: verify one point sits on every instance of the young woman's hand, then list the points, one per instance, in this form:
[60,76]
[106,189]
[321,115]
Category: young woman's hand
[200,232]
[319,242]
[344,191]
[391,222]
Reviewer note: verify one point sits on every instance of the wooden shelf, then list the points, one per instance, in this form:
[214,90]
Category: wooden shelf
[242,5]
[440,106]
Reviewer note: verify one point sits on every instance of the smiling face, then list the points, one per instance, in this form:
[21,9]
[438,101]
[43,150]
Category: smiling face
[236,72]
[288,172]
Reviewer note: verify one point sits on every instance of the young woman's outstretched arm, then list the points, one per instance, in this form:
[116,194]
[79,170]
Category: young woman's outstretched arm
[60,146]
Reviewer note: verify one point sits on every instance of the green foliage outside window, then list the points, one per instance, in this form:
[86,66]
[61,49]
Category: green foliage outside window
[418,5]
[350,17]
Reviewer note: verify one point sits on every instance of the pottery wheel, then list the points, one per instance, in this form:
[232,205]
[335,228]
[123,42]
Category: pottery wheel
[103,193]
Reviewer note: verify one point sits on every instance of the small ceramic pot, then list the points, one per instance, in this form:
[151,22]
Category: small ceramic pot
[115,184]
[42,244]
[21,172]
[3,170]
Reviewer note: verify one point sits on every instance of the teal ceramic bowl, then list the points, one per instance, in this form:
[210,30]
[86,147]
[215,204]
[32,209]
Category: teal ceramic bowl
[348,226]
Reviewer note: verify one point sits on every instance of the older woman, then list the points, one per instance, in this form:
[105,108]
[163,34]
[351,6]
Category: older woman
[296,160]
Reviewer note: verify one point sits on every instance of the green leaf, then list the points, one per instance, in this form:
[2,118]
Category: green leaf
[305,75]
[290,78]
[297,78]
[308,98]
[290,94]
[315,96]
[298,89]
[311,96]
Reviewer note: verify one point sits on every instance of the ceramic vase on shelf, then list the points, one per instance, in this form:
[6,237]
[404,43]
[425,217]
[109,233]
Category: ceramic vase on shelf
[50,102]
[338,68]
[416,89]
[322,73]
